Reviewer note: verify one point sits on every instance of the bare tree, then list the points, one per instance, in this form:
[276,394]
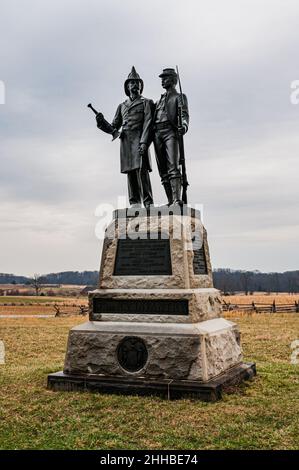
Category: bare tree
[245,280]
[36,283]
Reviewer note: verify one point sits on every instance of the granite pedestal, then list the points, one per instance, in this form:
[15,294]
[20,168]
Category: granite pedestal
[155,321]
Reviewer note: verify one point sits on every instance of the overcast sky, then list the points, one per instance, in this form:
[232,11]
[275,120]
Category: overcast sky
[237,60]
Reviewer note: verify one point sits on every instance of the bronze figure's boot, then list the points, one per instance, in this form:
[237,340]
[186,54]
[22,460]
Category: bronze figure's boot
[176,186]
[168,191]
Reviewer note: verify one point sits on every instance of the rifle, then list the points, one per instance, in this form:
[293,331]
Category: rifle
[103,124]
[185,183]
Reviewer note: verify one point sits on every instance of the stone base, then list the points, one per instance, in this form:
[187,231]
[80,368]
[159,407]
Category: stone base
[171,351]
[209,391]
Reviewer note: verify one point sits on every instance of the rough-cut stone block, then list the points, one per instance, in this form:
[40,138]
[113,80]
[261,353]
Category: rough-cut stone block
[195,351]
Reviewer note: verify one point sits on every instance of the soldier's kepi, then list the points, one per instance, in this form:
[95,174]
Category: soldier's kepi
[133,117]
[170,123]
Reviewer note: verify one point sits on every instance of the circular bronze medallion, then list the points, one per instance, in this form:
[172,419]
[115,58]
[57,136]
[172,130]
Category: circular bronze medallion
[132,353]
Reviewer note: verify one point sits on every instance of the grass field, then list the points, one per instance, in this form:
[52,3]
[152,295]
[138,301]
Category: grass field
[263,414]
[262,298]
[22,299]
[23,305]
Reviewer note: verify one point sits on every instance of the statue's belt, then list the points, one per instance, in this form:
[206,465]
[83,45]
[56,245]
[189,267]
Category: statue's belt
[162,125]
[134,127]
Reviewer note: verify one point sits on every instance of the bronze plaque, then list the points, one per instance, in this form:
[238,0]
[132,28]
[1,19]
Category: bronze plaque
[139,306]
[132,353]
[199,260]
[143,257]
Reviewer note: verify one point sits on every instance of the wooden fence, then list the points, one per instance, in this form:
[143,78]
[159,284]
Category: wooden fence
[258,307]
[59,309]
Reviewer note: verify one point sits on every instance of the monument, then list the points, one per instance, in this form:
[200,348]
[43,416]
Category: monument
[155,324]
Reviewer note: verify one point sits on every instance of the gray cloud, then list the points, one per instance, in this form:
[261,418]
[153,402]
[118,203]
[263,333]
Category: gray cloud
[237,61]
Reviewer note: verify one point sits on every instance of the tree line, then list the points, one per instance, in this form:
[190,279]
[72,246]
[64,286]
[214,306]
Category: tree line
[67,277]
[227,280]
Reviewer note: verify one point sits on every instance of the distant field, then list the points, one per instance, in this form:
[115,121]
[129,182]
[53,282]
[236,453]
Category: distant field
[262,298]
[63,290]
[24,305]
[263,414]
[40,299]
[8,299]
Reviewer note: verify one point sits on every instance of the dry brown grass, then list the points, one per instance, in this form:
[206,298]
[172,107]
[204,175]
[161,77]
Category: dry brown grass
[262,298]
[41,300]
[262,414]
[26,310]
[39,305]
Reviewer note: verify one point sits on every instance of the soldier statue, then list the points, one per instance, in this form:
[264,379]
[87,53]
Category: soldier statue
[170,123]
[134,117]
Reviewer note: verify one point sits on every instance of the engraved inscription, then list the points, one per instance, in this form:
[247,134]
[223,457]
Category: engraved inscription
[140,306]
[142,258]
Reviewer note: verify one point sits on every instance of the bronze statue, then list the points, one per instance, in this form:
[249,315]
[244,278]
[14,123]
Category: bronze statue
[134,116]
[170,123]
